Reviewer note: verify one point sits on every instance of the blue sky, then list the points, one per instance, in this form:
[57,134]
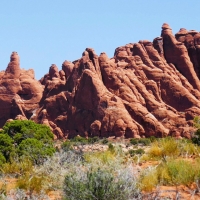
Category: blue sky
[46,32]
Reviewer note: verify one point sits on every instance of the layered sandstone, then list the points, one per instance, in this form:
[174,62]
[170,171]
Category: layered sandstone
[146,89]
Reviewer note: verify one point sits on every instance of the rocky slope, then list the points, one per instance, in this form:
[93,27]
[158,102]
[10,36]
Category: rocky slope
[146,89]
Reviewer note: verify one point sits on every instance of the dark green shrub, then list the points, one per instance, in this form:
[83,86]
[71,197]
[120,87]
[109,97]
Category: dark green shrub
[6,145]
[21,138]
[22,129]
[144,141]
[133,152]
[140,151]
[79,140]
[134,141]
[93,140]
[2,159]
[34,149]
[111,148]
[152,138]
[67,145]
[196,137]
[104,141]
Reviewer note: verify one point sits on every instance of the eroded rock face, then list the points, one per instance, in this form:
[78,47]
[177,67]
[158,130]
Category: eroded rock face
[20,93]
[146,89]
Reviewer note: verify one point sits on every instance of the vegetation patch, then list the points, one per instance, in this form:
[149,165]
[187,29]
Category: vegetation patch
[123,170]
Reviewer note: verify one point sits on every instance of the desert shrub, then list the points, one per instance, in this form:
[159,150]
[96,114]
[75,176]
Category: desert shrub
[164,148]
[35,150]
[152,138]
[2,159]
[188,148]
[22,129]
[148,179]
[79,140]
[93,140]
[104,141]
[32,183]
[134,141]
[172,172]
[155,152]
[196,137]
[143,141]
[57,166]
[177,172]
[26,139]
[17,168]
[133,152]
[139,151]
[181,172]
[111,148]
[169,147]
[196,122]
[6,145]
[100,184]
[104,157]
[67,145]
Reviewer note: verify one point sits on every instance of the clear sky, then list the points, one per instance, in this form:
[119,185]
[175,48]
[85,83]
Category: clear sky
[46,32]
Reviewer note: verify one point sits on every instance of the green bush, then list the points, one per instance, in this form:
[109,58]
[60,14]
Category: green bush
[111,148]
[67,145]
[34,149]
[143,141]
[196,137]
[133,152]
[93,140]
[25,138]
[104,141]
[79,140]
[6,145]
[22,129]
[2,159]
[152,138]
[134,141]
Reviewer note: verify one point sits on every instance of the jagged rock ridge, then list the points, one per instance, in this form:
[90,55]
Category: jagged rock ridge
[146,89]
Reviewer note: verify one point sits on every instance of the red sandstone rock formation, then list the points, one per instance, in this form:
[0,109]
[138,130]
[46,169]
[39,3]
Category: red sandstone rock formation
[147,88]
[20,93]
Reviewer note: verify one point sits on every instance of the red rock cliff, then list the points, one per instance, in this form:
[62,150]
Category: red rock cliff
[147,88]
